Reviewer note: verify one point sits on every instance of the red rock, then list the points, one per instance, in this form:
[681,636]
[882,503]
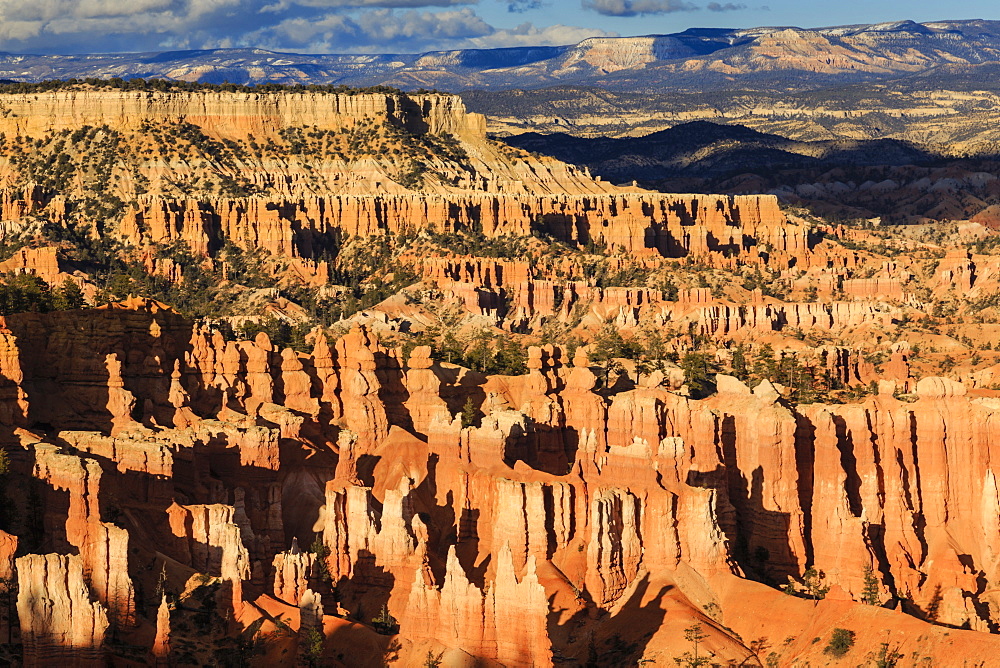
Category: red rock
[209,540]
[292,571]
[58,620]
[161,644]
[473,537]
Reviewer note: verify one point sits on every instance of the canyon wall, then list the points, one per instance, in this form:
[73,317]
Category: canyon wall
[513,539]
[232,115]
[639,223]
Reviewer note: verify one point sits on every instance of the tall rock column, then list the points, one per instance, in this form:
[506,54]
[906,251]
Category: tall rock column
[615,547]
[103,546]
[59,623]
[292,570]
[364,412]
[161,643]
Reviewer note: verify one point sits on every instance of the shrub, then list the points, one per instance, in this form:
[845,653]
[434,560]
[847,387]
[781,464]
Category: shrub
[385,623]
[841,643]
[321,551]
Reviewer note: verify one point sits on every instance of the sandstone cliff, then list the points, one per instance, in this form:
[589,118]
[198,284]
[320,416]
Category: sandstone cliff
[232,115]
[646,223]
[575,515]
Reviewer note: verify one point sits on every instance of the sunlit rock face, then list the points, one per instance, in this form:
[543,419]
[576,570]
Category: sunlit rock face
[562,515]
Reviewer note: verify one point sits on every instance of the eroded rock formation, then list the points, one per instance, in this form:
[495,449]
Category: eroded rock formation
[513,540]
[165,474]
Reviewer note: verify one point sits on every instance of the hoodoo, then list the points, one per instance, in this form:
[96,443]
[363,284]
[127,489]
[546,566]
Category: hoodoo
[331,377]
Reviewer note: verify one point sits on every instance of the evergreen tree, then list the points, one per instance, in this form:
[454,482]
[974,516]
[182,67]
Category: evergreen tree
[699,373]
[692,659]
[470,413]
[739,363]
[871,594]
[68,296]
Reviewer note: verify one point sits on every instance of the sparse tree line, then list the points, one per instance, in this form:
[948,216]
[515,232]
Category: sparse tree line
[172,86]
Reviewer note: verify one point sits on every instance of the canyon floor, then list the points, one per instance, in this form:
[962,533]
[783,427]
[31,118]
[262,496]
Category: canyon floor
[329,377]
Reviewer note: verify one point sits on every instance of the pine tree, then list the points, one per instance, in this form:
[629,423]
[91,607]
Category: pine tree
[871,594]
[470,412]
[739,364]
[68,296]
[694,635]
[815,584]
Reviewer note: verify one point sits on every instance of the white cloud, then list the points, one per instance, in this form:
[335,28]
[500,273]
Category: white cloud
[370,31]
[384,26]
[109,8]
[313,26]
[527,34]
[34,21]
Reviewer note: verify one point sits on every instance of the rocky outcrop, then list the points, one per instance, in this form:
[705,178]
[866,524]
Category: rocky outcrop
[722,320]
[615,548]
[207,538]
[161,643]
[560,502]
[58,620]
[642,223]
[292,572]
[41,262]
[103,547]
[503,623]
[233,115]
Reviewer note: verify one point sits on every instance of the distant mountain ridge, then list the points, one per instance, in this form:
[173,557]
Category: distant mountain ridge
[886,179]
[696,59]
[709,150]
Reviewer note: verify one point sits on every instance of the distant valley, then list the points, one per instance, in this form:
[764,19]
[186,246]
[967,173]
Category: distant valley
[885,179]
[931,84]
[775,58]
[349,376]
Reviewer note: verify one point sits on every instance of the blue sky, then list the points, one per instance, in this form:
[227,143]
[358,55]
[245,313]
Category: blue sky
[409,26]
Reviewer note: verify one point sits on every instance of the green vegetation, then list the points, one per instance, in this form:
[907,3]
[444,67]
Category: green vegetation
[313,647]
[692,659]
[385,623]
[321,551]
[27,293]
[169,85]
[887,656]
[841,643]
[484,351]
[699,373]
[470,413]
[813,585]
[871,594]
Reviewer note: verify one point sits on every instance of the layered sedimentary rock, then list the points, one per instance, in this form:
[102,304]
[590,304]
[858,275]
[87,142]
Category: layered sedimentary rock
[292,571]
[505,291]
[169,471]
[233,115]
[103,547]
[265,142]
[645,223]
[59,622]
[208,539]
[513,539]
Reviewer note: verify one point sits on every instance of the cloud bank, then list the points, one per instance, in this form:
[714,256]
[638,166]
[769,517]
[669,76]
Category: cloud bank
[637,7]
[310,26]
[314,26]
